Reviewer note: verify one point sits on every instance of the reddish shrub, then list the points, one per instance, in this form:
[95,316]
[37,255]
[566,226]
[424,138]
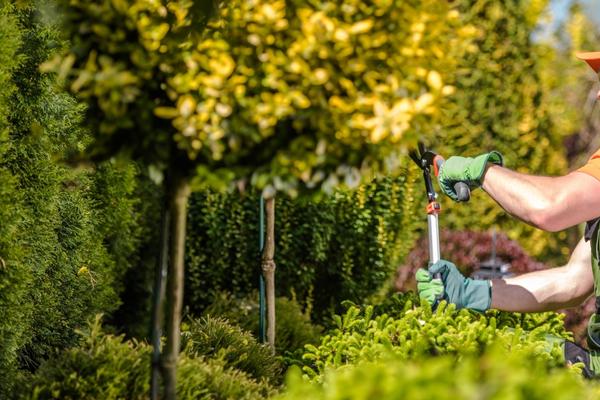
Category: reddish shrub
[466,249]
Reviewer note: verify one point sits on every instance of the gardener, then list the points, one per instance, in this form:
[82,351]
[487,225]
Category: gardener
[548,203]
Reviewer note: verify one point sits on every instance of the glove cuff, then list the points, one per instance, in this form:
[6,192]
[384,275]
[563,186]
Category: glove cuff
[477,294]
[493,157]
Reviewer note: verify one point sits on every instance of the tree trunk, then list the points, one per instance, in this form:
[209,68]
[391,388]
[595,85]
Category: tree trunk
[178,191]
[160,279]
[268,269]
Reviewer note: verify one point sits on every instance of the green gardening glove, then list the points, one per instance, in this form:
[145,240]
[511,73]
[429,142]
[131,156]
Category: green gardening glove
[429,289]
[465,169]
[453,287]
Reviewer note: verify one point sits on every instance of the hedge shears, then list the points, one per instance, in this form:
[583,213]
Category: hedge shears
[428,160]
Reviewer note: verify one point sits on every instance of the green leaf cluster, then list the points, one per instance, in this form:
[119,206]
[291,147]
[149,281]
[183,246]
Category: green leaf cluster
[417,332]
[342,247]
[120,57]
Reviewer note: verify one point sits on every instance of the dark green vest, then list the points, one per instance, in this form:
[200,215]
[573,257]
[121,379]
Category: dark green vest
[593,328]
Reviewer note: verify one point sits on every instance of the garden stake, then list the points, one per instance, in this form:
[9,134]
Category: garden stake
[426,159]
[262,310]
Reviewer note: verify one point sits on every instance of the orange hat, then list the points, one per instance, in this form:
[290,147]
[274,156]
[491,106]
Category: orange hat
[592,58]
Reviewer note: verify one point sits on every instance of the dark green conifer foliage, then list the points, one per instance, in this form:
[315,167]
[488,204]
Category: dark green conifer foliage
[66,232]
[14,277]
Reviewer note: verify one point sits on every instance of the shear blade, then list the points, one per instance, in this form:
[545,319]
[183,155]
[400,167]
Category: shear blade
[415,157]
[422,149]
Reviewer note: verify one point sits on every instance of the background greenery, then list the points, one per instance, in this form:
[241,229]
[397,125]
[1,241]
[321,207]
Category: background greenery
[343,247]
[80,238]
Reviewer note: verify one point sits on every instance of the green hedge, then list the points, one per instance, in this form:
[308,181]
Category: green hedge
[399,349]
[342,247]
[497,375]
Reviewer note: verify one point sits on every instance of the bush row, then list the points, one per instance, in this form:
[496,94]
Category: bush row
[342,247]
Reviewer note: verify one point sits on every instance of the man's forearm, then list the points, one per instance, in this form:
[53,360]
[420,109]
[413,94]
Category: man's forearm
[538,291]
[548,203]
[523,196]
[550,289]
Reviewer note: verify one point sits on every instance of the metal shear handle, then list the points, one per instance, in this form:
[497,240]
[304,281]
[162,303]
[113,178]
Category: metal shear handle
[426,160]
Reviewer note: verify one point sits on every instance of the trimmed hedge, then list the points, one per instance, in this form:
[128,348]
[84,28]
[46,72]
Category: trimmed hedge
[416,332]
[341,247]
[496,375]
[399,349]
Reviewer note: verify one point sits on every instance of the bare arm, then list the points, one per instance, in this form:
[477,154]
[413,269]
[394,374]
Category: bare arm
[550,289]
[548,203]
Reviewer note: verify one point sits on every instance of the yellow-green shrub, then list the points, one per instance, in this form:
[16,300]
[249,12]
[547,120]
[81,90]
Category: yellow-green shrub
[297,94]
[496,375]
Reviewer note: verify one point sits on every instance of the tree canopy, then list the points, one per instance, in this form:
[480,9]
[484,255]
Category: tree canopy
[296,95]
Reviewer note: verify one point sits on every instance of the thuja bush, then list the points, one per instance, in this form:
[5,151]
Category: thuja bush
[101,367]
[14,276]
[293,325]
[341,247]
[497,374]
[132,316]
[417,332]
[66,232]
[109,367]
[216,338]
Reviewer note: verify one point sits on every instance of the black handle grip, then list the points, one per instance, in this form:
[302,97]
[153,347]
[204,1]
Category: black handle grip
[462,191]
